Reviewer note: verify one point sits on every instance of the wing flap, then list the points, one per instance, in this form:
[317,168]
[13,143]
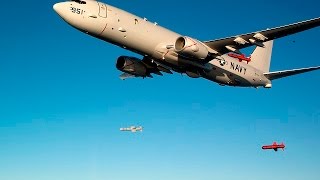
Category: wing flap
[281,74]
[256,38]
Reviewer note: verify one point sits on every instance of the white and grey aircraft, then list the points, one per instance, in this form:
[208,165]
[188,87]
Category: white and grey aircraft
[132,129]
[163,50]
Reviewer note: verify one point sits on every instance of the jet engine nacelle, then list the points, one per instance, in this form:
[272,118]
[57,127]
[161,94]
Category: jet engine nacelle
[191,48]
[132,66]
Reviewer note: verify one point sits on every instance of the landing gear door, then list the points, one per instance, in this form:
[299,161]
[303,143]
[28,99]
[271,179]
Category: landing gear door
[102,10]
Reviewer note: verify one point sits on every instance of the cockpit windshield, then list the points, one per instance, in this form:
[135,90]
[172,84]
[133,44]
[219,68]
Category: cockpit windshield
[79,1]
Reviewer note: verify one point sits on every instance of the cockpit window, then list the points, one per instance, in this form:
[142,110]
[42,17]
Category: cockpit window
[80,2]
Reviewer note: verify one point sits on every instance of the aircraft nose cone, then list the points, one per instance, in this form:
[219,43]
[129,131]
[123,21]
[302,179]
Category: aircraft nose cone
[57,8]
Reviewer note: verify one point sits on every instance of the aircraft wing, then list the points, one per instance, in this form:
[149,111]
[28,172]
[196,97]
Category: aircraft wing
[281,74]
[126,76]
[155,68]
[234,43]
[151,66]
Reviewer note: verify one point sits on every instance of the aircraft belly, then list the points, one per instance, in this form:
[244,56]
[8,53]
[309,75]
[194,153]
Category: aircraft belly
[229,71]
[222,73]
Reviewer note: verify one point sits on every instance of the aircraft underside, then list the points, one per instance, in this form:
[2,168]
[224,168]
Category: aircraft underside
[164,51]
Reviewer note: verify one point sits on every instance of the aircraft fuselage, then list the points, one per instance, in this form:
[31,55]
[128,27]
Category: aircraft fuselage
[150,40]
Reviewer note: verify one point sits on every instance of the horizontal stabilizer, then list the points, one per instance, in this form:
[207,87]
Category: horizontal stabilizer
[281,74]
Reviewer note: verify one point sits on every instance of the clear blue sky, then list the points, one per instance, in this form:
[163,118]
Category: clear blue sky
[62,103]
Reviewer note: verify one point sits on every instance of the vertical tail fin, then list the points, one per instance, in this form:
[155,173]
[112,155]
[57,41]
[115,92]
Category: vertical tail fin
[261,57]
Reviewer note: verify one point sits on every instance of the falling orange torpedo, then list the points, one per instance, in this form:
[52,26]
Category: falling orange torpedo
[274,146]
